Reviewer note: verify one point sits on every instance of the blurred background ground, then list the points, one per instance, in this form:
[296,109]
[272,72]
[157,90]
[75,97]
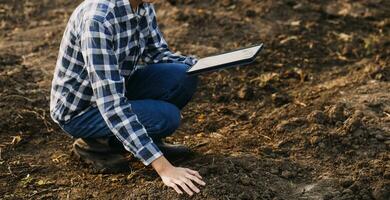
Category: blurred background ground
[310,119]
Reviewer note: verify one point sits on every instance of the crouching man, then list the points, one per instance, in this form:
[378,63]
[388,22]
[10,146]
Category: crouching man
[112,105]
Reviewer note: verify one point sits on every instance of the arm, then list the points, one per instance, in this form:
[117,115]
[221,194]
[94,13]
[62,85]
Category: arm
[109,89]
[157,50]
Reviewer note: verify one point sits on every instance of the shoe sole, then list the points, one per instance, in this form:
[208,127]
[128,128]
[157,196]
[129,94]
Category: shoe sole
[97,165]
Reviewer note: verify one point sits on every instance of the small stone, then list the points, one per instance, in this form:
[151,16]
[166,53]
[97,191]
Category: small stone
[245,180]
[274,171]
[288,174]
[358,133]
[379,137]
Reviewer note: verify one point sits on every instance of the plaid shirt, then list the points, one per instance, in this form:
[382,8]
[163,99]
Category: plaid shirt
[101,46]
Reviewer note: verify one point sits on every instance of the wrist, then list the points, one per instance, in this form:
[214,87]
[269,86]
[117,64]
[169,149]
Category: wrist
[161,164]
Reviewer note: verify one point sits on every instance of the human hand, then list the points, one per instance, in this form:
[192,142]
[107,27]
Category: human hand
[178,178]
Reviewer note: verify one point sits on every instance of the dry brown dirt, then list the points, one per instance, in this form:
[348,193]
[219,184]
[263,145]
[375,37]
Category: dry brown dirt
[310,119]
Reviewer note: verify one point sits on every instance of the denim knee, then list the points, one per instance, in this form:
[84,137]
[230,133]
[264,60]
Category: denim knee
[190,83]
[171,121]
[185,87]
[160,118]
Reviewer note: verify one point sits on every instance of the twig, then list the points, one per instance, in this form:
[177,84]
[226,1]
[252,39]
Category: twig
[266,137]
[386,113]
[46,190]
[42,117]
[262,135]
[10,171]
[68,195]
[301,103]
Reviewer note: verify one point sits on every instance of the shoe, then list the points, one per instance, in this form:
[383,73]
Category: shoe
[174,153]
[102,154]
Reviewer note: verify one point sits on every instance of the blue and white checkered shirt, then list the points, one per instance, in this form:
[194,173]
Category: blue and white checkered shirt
[102,43]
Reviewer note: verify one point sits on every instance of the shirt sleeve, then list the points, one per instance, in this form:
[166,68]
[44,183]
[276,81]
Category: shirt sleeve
[109,90]
[156,50]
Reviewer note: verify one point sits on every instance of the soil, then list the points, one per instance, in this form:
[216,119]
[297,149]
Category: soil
[310,119]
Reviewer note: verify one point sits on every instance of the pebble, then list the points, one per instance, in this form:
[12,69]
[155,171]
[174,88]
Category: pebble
[379,137]
[288,174]
[245,180]
[358,133]
[274,171]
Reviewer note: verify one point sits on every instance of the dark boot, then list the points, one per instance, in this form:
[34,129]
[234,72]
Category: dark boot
[105,155]
[174,152]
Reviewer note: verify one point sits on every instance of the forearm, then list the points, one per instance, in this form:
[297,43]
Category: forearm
[161,164]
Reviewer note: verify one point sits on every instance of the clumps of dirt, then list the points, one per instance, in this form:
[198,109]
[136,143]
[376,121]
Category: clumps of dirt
[10,59]
[246,93]
[381,191]
[295,73]
[246,177]
[354,123]
[317,117]
[335,113]
[287,126]
[337,124]
[280,99]
[378,72]
[269,82]
[356,10]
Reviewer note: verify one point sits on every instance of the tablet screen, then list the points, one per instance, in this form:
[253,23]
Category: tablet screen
[226,58]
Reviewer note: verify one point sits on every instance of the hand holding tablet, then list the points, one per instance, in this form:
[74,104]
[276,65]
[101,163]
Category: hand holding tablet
[225,60]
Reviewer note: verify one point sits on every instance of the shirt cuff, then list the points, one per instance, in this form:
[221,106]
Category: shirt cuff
[190,61]
[149,153]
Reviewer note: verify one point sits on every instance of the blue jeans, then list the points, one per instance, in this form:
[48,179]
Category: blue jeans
[156,92]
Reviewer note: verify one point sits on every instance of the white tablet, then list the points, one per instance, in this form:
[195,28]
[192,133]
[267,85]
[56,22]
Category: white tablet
[230,59]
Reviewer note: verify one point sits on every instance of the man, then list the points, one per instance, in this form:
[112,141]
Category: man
[112,105]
